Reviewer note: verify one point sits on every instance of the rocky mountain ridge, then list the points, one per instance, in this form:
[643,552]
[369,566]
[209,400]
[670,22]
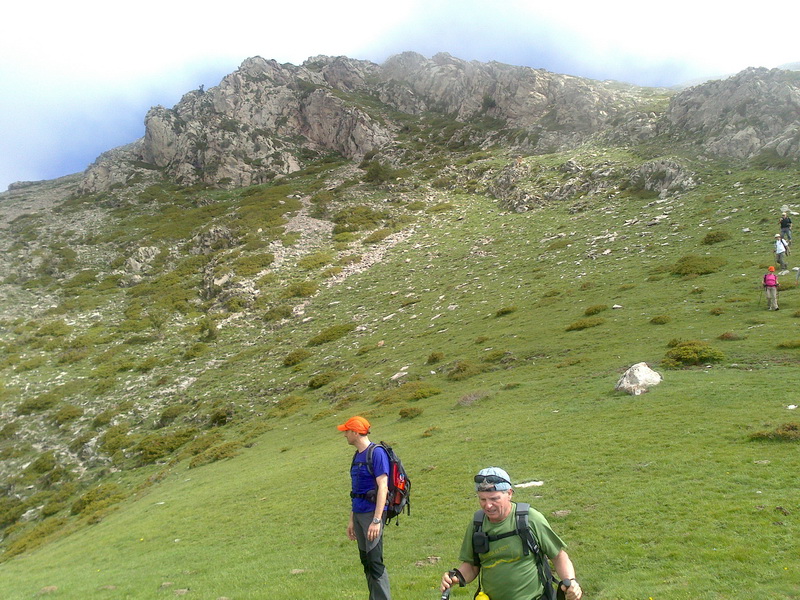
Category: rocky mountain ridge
[268,119]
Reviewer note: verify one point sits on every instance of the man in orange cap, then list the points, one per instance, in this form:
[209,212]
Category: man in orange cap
[771,288]
[368,498]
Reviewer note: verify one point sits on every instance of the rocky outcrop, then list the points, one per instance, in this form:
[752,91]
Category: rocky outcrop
[751,113]
[638,379]
[268,119]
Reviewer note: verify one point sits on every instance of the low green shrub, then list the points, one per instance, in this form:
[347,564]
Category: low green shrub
[434,357]
[716,311]
[97,498]
[788,432]
[301,289]
[170,413]
[38,404]
[463,369]
[697,265]
[322,379]
[215,453]
[315,261]
[295,357]
[692,352]
[377,236]
[594,309]
[715,237]
[407,392]
[789,344]
[331,334]
[288,405]
[157,446]
[585,323]
[278,313]
[410,412]
[67,413]
[660,320]
[730,336]
[505,310]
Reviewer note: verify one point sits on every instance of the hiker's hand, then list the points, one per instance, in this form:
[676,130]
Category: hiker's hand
[447,581]
[374,531]
[574,591]
[351,532]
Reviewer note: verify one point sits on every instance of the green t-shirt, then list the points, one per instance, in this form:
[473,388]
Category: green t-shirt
[506,573]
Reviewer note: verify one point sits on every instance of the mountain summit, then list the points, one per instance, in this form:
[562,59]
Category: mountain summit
[268,119]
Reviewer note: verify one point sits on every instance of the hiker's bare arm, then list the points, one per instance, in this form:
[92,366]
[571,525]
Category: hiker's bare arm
[380,502]
[566,570]
[468,570]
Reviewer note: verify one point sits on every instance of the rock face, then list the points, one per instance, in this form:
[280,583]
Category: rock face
[267,119]
[638,379]
[754,112]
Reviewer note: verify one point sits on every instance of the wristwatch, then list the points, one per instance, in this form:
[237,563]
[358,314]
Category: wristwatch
[375,520]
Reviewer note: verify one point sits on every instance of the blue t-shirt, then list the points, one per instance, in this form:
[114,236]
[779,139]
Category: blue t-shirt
[364,482]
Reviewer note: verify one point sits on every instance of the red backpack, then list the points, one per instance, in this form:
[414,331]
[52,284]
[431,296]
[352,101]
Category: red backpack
[398,482]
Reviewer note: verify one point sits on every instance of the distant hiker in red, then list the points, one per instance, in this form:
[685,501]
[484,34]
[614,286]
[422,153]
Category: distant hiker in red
[771,289]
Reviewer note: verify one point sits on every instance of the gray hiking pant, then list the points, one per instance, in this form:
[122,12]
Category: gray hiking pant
[372,558]
[780,257]
[772,297]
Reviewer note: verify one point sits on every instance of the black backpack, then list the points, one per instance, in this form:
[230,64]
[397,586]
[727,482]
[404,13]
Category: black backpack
[530,545]
[398,498]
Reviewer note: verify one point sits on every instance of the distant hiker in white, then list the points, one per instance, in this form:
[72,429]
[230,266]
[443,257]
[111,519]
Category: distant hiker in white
[781,252]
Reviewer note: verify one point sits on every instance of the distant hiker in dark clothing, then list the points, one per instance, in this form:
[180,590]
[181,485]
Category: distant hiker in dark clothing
[786,228]
[771,288]
[370,488]
[781,251]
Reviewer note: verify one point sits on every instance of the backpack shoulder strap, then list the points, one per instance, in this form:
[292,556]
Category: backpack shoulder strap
[370,450]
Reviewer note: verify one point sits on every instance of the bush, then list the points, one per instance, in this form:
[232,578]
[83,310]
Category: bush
[789,345]
[315,261]
[594,309]
[463,369]
[295,357]
[377,236]
[410,412]
[788,432]
[697,265]
[170,413]
[288,405]
[408,392]
[154,447]
[215,453]
[331,334]
[434,357]
[660,320]
[585,323]
[322,379]
[715,237]
[716,311]
[729,336]
[301,289]
[38,404]
[99,497]
[506,310]
[67,413]
[278,313]
[693,352]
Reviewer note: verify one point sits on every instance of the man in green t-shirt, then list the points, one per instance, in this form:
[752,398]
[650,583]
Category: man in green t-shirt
[504,570]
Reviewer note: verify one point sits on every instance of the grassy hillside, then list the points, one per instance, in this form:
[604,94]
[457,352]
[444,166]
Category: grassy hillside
[204,419]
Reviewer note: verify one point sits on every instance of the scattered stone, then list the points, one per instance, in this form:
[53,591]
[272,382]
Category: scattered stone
[638,379]
[561,513]
[48,589]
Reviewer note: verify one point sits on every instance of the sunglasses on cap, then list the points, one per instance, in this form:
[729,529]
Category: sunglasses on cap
[493,479]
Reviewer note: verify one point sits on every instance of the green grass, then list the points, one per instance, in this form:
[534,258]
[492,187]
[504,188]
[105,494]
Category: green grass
[464,328]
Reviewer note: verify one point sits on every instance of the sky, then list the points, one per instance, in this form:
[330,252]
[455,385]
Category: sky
[77,78]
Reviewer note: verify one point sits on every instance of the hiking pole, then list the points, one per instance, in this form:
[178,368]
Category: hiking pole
[454,574]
